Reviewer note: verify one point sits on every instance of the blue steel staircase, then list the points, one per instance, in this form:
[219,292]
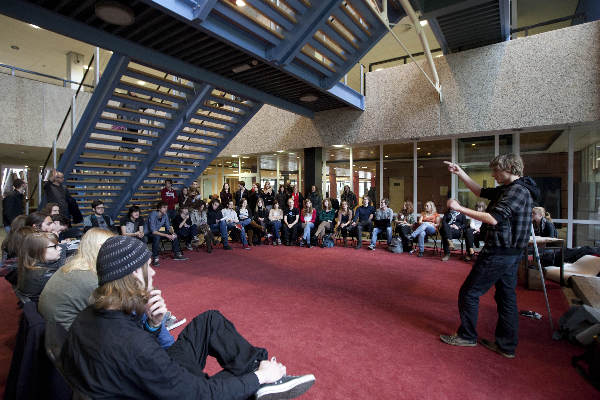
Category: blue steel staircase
[143,126]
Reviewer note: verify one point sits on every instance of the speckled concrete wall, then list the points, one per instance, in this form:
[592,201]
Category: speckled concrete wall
[33,111]
[546,80]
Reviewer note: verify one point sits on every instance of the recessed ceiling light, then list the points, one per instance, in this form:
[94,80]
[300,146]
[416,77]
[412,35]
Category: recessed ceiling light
[280,151]
[428,154]
[309,98]
[363,167]
[338,145]
[423,23]
[245,157]
[234,155]
[34,26]
[378,69]
[386,156]
[473,144]
[114,13]
[418,148]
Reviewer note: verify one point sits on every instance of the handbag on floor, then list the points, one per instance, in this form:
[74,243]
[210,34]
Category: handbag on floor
[396,245]
[328,241]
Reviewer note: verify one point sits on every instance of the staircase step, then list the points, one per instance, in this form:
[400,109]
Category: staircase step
[104,167]
[215,119]
[131,124]
[148,91]
[133,114]
[157,80]
[112,151]
[124,133]
[234,103]
[209,128]
[143,103]
[100,140]
[93,158]
[98,173]
[202,131]
[222,111]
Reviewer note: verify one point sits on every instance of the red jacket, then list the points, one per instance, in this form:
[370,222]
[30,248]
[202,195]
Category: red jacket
[169,197]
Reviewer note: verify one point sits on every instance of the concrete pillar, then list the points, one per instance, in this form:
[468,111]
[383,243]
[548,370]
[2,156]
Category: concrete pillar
[313,167]
[74,68]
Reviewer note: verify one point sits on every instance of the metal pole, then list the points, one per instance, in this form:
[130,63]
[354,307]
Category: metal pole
[513,18]
[362,79]
[346,79]
[40,186]
[516,143]
[352,173]
[54,153]
[496,145]
[97,67]
[381,171]
[536,255]
[73,116]
[415,167]
[453,177]
[570,162]
[277,179]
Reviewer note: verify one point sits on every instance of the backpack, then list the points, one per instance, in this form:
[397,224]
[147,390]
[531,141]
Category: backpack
[579,324]
[396,245]
[328,241]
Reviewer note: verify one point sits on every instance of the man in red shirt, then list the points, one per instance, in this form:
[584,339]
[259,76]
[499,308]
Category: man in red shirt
[169,196]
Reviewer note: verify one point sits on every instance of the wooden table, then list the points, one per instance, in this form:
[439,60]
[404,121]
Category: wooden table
[549,243]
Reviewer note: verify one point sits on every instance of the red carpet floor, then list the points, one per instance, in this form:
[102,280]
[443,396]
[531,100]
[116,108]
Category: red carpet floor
[367,324]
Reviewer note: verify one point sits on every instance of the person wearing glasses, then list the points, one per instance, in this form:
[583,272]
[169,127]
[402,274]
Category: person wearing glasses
[39,256]
[98,219]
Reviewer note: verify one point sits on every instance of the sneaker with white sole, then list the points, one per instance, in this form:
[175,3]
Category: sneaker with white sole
[172,322]
[288,387]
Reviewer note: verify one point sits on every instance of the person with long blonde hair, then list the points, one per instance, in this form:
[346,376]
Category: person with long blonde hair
[309,216]
[428,221]
[344,222]
[542,223]
[113,349]
[68,291]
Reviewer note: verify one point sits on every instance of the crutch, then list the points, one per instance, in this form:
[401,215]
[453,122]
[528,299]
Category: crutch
[536,257]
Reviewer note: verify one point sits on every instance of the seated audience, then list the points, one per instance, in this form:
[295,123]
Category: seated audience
[383,222]
[52,209]
[344,221]
[40,255]
[326,216]
[233,222]
[200,219]
[12,241]
[60,227]
[218,224]
[452,227]
[428,221]
[114,348]
[68,291]
[542,223]
[40,221]
[406,220]
[185,229]
[309,217]
[275,218]
[290,223]
[260,220]
[244,215]
[363,219]
[473,233]
[133,224]
[160,219]
[98,219]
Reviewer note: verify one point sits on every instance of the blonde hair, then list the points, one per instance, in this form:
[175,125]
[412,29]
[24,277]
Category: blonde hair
[433,209]
[126,294]
[542,211]
[85,258]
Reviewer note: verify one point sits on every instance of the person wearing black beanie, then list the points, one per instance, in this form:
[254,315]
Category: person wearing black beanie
[118,347]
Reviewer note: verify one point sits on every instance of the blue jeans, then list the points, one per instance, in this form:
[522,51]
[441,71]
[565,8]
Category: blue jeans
[376,232]
[232,225]
[425,229]
[221,228]
[276,228]
[491,270]
[187,233]
[307,227]
[245,222]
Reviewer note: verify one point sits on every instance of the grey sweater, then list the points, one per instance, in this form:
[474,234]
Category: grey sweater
[66,295]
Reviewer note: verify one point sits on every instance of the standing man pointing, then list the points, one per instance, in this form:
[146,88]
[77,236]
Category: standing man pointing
[507,221]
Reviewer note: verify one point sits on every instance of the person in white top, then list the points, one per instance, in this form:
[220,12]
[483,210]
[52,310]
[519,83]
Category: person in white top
[473,233]
[231,218]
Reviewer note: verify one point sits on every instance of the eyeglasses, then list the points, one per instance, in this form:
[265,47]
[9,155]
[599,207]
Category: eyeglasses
[54,246]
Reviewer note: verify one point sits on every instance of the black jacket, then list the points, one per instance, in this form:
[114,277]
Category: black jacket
[12,207]
[110,355]
[238,197]
[268,198]
[282,198]
[546,229]
[212,216]
[455,218]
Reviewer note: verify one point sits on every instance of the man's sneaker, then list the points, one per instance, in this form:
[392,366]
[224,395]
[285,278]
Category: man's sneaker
[494,347]
[246,247]
[421,254]
[189,247]
[456,340]
[446,257]
[227,247]
[278,241]
[172,322]
[155,262]
[179,257]
[288,387]
[371,247]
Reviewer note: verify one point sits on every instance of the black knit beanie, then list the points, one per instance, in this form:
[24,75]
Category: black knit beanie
[119,256]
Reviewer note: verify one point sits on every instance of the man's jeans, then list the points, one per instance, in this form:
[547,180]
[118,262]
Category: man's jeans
[221,228]
[491,270]
[156,245]
[376,232]
[187,233]
[232,225]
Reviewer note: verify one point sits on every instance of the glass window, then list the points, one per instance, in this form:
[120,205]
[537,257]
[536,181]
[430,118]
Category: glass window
[366,172]
[338,170]
[433,178]
[586,175]
[398,174]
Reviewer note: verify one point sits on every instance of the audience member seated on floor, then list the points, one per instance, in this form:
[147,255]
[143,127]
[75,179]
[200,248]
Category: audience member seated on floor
[68,291]
[40,255]
[542,223]
[268,196]
[260,221]
[169,196]
[232,221]
[275,221]
[309,217]
[452,227]
[13,203]
[383,222]
[405,223]
[115,349]
[12,241]
[186,230]
[160,219]
[98,219]
[291,218]
[133,224]
[282,197]
[363,220]
[226,196]
[40,221]
[327,218]
[473,233]
[428,221]
[218,224]
[344,222]
[200,219]
[52,209]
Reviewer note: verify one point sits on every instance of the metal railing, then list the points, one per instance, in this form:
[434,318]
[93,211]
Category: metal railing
[65,82]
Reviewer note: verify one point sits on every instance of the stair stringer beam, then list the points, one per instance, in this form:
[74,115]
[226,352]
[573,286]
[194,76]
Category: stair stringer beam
[172,130]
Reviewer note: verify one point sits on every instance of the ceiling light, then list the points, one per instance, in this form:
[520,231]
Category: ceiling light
[386,156]
[297,157]
[240,3]
[234,155]
[473,144]
[418,148]
[114,13]
[423,23]
[338,145]
[240,68]
[428,154]
[363,167]
[309,98]
[378,69]
[280,151]
[245,157]
[438,56]
[34,26]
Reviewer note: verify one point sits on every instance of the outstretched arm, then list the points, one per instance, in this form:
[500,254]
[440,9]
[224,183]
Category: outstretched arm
[478,215]
[462,175]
